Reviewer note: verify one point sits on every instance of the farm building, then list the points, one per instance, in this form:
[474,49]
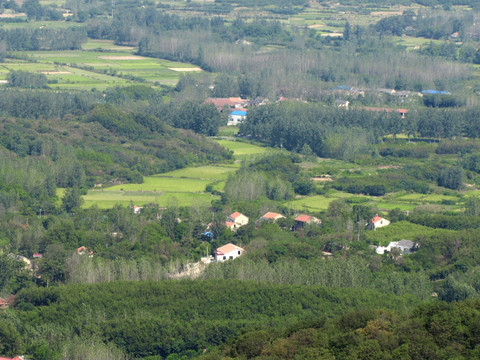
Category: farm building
[378,222]
[228,252]
[236,117]
[302,220]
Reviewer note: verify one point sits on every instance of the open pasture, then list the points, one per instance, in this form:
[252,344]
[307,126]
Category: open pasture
[184,187]
[202,172]
[101,64]
[242,150]
[398,231]
[106,199]
[316,202]
[165,184]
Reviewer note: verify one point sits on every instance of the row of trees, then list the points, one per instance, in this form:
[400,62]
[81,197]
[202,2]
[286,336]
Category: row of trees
[329,131]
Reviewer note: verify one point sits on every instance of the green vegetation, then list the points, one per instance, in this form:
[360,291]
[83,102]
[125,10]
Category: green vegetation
[119,179]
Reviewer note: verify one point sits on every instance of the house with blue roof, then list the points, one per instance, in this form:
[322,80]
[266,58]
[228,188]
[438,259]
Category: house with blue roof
[236,117]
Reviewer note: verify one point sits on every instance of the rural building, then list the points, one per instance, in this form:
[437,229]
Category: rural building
[378,222]
[82,250]
[238,218]
[15,358]
[137,209]
[236,117]
[405,247]
[228,252]
[3,304]
[232,102]
[270,216]
[342,104]
[302,220]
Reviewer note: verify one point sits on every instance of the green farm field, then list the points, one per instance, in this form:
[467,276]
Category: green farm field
[105,199]
[398,231]
[184,187]
[99,65]
[242,150]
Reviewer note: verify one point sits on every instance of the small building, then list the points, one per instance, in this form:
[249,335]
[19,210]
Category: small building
[271,216]
[342,104]
[137,209]
[302,220]
[237,117]
[404,246]
[228,252]
[37,256]
[238,218]
[3,303]
[82,250]
[378,222]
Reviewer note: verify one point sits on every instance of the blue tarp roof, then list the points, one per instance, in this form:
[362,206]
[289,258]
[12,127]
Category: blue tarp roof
[434,92]
[238,112]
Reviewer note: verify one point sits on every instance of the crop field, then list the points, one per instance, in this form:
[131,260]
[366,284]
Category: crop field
[99,65]
[242,150]
[317,202]
[108,199]
[202,172]
[184,187]
[398,231]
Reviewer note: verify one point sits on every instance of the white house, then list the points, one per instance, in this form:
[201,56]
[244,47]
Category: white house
[228,252]
[405,247]
[236,117]
[238,218]
[378,222]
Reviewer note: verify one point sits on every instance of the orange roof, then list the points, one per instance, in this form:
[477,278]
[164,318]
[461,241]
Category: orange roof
[303,218]
[221,102]
[81,248]
[225,249]
[3,301]
[235,215]
[229,224]
[376,219]
[271,215]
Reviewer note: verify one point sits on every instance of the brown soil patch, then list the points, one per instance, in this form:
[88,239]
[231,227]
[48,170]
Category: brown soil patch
[126,57]
[322,178]
[56,72]
[333,34]
[389,167]
[186,69]
[389,13]
[12,15]
[315,26]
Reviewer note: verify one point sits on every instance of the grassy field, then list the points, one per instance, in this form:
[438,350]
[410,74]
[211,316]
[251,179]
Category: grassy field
[184,187]
[317,202]
[398,231]
[242,150]
[99,65]
[107,199]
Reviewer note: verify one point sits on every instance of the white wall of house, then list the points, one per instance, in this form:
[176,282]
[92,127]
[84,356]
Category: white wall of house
[229,256]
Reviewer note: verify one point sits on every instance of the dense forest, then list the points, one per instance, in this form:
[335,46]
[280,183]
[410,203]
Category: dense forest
[119,179]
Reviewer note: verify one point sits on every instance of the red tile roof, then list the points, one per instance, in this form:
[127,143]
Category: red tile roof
[376,219]
[229,224]
[235,215]
[303,218]
[271,215]
[225,249]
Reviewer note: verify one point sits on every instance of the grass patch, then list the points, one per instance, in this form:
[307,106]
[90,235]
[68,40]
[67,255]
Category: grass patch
[164,184]
[398,231]
[202,172]
[242,149]
[105,199]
